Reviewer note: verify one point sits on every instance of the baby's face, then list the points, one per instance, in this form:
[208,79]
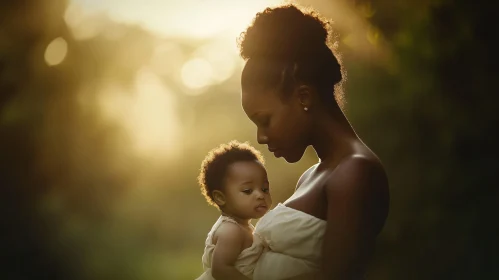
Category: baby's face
[247,190]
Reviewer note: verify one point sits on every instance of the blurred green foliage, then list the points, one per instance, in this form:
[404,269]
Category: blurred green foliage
[79,203]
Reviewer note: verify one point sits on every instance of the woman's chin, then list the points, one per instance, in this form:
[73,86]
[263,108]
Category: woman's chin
[292,158]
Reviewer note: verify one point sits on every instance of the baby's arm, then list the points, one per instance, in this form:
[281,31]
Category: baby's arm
[229,244]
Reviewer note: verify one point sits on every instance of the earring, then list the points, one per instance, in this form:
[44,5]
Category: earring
[305,108]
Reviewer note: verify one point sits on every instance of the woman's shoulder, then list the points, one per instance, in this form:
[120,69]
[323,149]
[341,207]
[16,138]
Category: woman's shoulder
[361,160]
[358,169]
[360,182]
[306,175]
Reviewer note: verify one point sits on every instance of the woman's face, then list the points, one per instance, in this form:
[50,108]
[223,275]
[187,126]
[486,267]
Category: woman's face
[282,123]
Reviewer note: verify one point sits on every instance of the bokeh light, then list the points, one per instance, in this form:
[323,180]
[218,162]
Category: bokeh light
[197,73]
[56,51]
[148,112]
[221,57]
[84,23]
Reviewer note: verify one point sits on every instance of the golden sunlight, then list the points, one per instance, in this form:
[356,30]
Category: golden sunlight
[193,47]
[221,56]
[167,52]
[83,23]
[155,125]
[56,51]
[187,18]
[147,113]
[197,73]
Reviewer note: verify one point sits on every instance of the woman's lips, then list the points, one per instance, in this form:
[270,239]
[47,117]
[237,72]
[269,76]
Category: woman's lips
[276,152]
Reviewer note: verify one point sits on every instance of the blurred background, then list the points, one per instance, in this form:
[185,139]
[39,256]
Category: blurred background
[108,107]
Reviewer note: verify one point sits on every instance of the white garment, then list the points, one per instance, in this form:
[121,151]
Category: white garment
[245,262]
[294,240]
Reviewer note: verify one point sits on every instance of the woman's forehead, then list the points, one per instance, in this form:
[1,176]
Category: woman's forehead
[253,100]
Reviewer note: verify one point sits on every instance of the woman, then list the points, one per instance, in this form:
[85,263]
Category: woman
[327,228]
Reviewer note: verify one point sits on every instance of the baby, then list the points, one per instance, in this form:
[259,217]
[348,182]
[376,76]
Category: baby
[234,180]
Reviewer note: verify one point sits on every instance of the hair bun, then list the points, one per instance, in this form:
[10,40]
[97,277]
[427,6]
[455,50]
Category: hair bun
[284,31]
[285,45]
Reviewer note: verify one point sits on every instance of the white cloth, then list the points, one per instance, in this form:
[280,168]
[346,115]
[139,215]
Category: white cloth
[294,239]
[245,262]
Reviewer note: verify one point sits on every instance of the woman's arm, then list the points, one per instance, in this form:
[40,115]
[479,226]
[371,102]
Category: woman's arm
[229,244]
[357,198]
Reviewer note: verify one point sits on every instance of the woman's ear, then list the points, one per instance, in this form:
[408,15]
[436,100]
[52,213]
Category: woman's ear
[218,197]
[305,96]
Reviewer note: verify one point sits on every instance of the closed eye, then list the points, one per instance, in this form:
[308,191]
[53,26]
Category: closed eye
[265,122]
[247,191]
[261,120]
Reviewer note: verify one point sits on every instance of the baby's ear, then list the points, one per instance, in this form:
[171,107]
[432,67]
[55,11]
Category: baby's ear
[218,197]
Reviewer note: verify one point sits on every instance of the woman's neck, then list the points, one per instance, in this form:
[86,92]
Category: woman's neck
[333,137]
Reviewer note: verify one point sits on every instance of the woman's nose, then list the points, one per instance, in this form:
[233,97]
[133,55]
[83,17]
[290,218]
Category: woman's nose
[262,138]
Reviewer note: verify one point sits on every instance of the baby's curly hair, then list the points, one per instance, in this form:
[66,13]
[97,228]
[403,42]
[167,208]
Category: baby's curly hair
[285,45]
[215,164]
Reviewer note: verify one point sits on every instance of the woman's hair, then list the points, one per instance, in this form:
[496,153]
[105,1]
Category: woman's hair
[215,164]
[285,46]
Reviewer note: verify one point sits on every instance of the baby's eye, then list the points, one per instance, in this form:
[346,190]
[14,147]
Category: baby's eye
[247,191]
[265,190]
